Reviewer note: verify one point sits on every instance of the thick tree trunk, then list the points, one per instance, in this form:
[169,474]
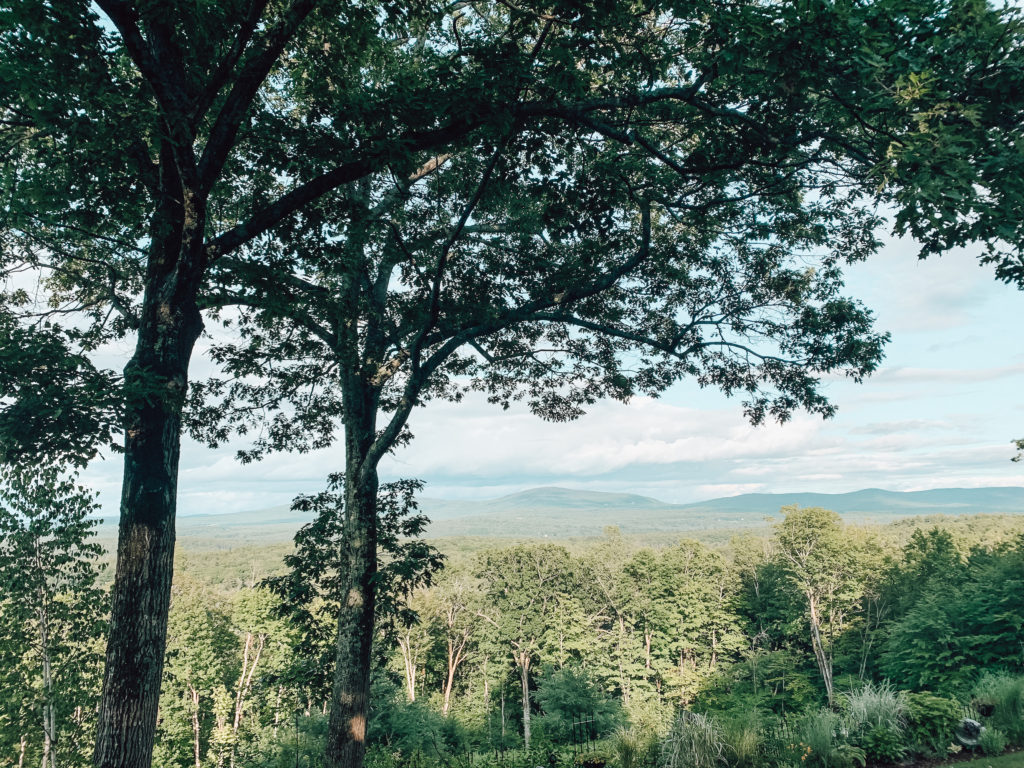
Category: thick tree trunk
[346,733]
[155,383]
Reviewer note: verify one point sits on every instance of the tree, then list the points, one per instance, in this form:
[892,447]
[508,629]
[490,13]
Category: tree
[184,134]
[317,586]
[50,611]
[524,584]
[822,563]
[197,674]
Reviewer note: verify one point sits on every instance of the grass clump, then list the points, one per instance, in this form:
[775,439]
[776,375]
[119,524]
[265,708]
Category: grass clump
[693,741]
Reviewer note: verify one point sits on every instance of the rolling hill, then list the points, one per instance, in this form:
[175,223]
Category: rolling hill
[567,513]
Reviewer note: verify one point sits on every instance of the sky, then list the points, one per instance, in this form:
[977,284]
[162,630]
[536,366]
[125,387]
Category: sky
[940,413]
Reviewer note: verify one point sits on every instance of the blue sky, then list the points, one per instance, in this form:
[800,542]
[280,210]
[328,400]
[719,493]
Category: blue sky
[940,413]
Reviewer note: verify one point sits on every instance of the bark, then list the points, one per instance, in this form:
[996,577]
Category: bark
[49,718]
[456,655]
[254,647]
[409,661]
[21,751]
[346,733]
[195,724]
[824,662]
[524,676]
[155,382]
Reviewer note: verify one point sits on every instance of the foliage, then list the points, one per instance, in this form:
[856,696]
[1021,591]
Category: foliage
[51,615]
[992,741]
[568,693]
[743,737]
[633,748]
[874,705]
[824,565]
[882,744]
[694,741]
[1004,694]
[312,589]
[821,731]
[931,722]
[961,624]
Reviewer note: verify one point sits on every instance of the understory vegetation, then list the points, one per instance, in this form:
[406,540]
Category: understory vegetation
[817,644]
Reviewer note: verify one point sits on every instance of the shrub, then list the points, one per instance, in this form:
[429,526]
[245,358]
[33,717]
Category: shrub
[874,718]
[875,706]
[629,747]
[1004,693]
[821,731]
[930,722]
[992,741]
[568,693]
[693,741]
[883,744]
[742,737]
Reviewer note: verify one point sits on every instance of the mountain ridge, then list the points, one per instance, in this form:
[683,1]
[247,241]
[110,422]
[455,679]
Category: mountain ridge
[558,512]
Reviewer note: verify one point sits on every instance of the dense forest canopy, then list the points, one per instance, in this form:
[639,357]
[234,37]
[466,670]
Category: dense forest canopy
[612,631]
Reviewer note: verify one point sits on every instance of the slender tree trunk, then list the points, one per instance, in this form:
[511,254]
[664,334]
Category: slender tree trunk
[346,734]
[254,647]
[155,383]
[194,693]
[43,613]
[409,661]
[524,676]
[824,662]
[456,655]
[21,751]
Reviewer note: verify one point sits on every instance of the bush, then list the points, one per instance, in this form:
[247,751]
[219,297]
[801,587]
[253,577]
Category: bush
[821,732]
[1004,693]
[883,744]
[568,693]
[930,723]
[632,748]
[874,719]
[992,741]
[694,741]
[875,706]
[742,736]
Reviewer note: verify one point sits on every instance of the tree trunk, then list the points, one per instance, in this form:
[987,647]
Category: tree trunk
[346,733]
[254,647]
[154,392]
[21,751]
[409,661]
[824,662]
[49,720]
[195,724]
[456,651]
[524,675]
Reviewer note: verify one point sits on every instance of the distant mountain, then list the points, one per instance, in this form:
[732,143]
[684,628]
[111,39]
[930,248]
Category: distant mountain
[566,513]
[561,512]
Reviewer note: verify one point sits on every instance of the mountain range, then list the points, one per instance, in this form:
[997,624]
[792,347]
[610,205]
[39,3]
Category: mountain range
[567,513]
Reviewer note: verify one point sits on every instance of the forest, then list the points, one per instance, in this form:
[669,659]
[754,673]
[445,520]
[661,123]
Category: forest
[815,641]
